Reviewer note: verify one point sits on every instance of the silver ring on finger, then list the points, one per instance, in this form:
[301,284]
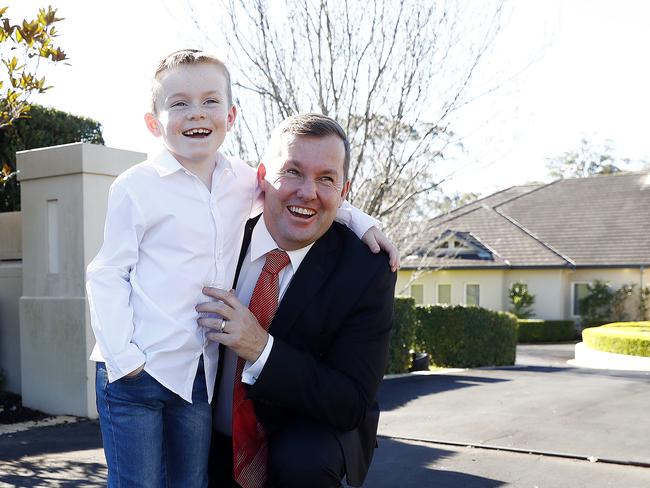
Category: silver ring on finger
[223,326]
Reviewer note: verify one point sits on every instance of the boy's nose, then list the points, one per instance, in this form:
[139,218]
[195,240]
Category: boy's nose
[196,113]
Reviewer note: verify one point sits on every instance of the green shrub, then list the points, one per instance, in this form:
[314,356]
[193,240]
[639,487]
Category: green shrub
[631,338]
[535,330]
[467,336]
[521,299]
[403,336]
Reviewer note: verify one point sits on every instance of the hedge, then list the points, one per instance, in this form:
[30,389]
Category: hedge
[466,337]
[631,338]
[403,336]
[535,330]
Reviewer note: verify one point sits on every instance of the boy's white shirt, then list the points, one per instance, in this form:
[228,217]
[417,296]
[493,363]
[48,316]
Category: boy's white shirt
[166,236]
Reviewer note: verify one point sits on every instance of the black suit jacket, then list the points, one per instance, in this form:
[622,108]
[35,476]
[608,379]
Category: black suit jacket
[330,349]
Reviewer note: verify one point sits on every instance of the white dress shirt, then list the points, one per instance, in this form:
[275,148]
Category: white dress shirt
[261,244]
[166,236]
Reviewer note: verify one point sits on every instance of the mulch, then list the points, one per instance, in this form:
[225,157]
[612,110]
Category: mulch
[12,410]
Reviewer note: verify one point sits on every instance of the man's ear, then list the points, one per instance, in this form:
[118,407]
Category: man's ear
[345,190]
[151,122]
[261,176]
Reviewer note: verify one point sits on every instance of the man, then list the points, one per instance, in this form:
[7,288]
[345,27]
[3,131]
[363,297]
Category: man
[309,382]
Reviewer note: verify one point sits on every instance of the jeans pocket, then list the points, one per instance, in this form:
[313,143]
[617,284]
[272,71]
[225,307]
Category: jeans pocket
[132,379]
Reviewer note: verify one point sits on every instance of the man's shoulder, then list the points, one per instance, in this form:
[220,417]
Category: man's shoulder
[352,249]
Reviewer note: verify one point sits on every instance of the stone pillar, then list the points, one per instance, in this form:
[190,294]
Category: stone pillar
[64,193]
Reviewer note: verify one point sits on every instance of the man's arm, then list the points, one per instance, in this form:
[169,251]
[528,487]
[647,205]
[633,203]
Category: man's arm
[109,288]
[336,388]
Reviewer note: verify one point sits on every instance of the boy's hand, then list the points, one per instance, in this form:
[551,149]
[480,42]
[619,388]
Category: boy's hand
[135,372]
[377,241]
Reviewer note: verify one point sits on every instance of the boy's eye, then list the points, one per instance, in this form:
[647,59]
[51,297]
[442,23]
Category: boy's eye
[178,104]
[211,101]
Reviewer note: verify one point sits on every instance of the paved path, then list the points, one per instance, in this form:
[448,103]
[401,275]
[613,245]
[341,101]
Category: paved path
[541,405]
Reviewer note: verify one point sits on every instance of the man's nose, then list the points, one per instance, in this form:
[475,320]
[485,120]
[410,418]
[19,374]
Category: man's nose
[307,189]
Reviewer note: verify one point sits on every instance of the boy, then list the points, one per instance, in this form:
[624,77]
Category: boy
[174,224]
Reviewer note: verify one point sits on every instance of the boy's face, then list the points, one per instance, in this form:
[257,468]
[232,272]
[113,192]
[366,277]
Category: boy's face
[193,114]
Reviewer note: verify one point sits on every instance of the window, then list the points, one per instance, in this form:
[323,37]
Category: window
[444,293]
[417,292]
[580,291]
[472,295]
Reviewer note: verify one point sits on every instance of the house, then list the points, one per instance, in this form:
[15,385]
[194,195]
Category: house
[555,238]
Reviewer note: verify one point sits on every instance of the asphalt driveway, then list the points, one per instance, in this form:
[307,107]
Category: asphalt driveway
[539,424]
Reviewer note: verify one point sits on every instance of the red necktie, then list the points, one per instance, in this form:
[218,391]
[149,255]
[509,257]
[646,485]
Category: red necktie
[248,438]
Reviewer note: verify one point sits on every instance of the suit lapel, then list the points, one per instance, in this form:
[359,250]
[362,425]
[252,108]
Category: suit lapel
[318,264]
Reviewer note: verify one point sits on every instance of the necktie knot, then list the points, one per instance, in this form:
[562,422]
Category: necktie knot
[276,260]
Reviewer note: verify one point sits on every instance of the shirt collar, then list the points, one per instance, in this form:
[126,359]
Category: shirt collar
[262,242]
[166,164]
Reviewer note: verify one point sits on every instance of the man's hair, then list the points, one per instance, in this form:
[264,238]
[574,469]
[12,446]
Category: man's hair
[187,57]
[311,125]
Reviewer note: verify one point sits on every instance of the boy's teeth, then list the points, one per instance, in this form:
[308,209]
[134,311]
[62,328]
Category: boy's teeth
[196,132]
[302,211]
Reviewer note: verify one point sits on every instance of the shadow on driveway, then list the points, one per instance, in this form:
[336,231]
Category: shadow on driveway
[400,464]
[396,392]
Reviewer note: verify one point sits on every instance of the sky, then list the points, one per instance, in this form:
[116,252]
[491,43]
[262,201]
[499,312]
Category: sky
[580,68]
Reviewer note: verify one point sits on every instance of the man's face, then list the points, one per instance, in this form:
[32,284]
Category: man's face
[303,188]
[193,114]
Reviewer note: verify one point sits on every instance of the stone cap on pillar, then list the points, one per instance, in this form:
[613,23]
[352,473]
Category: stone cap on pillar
[75,158]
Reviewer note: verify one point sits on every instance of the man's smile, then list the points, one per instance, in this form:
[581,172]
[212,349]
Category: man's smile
[301,212]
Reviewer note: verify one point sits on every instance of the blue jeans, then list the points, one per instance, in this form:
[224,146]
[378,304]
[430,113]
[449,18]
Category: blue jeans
[151,436]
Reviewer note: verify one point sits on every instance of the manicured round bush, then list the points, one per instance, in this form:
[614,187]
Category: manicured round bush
[537,330]
[466,337]
[630,338]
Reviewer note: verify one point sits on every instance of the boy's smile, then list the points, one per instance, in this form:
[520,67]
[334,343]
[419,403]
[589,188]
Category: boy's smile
[193,113]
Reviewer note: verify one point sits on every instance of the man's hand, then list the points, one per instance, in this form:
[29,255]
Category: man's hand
[240,332]
[377,241]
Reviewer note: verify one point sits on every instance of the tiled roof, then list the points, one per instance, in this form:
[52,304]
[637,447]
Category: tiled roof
[596,221]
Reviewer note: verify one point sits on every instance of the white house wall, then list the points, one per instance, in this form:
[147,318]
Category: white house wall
[615,277]
[552,287]
[491,284]
[545,284]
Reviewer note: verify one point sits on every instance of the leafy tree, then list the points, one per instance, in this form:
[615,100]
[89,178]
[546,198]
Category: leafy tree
[392,72]
[619,299]
[45,127]
[596,307]
[22,47]
[644,303]
[587,160]
[522,300]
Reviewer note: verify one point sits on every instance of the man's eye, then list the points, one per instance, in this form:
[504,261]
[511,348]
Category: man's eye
[327,179]
[292,172]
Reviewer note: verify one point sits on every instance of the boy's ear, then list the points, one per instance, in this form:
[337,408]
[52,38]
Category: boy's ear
[152,124]
[232,115]
[261,176]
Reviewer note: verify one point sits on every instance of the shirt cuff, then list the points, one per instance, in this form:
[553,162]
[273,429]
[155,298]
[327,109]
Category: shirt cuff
[252,371]
[125,362]
[358,221]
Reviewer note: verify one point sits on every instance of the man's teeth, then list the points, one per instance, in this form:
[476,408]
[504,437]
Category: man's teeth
[196,132]
[302,211]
